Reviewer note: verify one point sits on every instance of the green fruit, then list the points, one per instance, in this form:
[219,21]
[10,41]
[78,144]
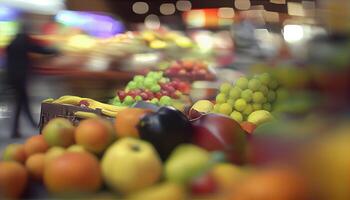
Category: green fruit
[216,108]
[155,101]
[59,132]
[155,88]
[186,162]
[267,106]
[264,78]
[240,104]
[231,102]
[165,100]
[247,95]
[242,83]
[225,88]
[138,98]
[237,116]
[254,84]
[271,96]
[149,82]
[235,93]
[139,78]
[132,85]
[259,117]
[257,106]
[248,109]
[264,89]
[258,97]
[128,100]
[221,98]
[225,109]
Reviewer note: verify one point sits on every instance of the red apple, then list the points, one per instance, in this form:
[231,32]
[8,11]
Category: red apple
[204,184]
[215,132]
[248,127]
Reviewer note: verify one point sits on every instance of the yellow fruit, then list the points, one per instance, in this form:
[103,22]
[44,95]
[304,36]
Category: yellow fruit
[131,164]
[163,191]
[227,176]
[259,117]
[59,132]
[76,148]
[204,106]
[53,153]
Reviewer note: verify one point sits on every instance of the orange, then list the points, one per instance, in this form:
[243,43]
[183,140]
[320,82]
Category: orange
[15,152]
[13,180]
[35,165]
[126,121]
[94,134]
[73,172]
[35,144]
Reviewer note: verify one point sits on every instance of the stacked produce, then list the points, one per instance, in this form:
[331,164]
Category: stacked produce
[189,70]
[247,96]
[154,88]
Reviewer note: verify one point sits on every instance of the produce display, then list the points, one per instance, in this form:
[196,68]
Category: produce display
[154,88]
[247,97]
[189,70]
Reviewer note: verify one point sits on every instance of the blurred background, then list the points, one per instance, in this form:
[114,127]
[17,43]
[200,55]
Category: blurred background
[103,44]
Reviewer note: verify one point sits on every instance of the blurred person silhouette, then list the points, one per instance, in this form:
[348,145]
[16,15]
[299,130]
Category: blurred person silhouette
[18,68]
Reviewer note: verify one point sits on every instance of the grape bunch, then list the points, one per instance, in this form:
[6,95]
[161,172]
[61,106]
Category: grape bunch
[153,87]
[246,96]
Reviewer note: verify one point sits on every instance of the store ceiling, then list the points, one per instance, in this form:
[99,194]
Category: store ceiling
[123,8]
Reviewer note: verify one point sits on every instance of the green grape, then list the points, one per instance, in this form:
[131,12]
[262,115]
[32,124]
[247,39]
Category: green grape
[163,80]
[128,100]
[225,109]
[132,85]
[235,93]
[165,101]
[138,98]
[237,116]
[240,104]
[155,101]
[254,84]
[267,106]
[257,106]
[158,75]
[273,84]
[264,78]
[271,96]
[248,109]
[264,89]
[139,78]
[231,102]
[225,88]
[242,83]
[155,88]
[264,100]
[216,108]
[149,82]
[221,98]
[258,97]
[247,95]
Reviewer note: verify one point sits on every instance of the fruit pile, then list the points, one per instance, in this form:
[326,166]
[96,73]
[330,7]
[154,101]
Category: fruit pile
[189,70]
[246,96]
[154,88]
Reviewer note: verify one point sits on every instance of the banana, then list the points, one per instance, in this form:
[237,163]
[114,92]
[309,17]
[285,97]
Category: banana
[72,100]
[96,104]
[109,113]
[49,100]
[85,115]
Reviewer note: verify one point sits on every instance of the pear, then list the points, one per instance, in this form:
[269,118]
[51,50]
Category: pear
[186,162]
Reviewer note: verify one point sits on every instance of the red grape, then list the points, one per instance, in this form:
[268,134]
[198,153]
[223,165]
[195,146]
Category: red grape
[132,93]
[158,95]
[121,94]
[144,96]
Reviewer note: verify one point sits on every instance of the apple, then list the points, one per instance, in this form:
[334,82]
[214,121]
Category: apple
[215,132]
[130,165]
[204,184]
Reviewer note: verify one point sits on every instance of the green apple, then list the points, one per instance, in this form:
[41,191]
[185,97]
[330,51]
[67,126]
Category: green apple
[186,162]
[59,132]
[131,164]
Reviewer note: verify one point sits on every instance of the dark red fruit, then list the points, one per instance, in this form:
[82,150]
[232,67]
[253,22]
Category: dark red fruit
[203,185]
[144,96]
[121,94]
